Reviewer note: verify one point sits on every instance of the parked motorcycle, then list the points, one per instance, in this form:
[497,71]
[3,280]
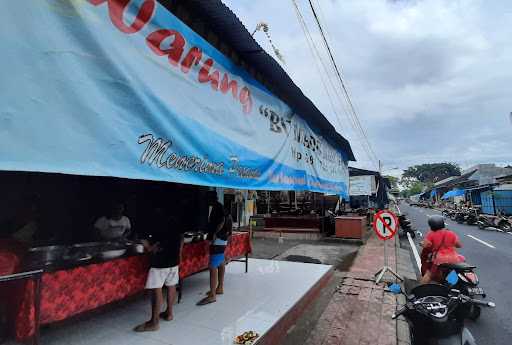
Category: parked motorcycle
[449,213]
[436,313]
[466,282]
[471,216]
[460,217]
[405,226]
[489,221]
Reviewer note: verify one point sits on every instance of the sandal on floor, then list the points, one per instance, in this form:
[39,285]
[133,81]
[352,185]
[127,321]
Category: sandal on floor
[146,327]
[206,300]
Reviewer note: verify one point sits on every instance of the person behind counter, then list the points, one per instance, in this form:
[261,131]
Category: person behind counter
[114,226]
[220,228]
[165,246]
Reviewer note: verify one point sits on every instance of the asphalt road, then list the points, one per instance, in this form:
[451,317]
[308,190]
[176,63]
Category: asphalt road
[491,252]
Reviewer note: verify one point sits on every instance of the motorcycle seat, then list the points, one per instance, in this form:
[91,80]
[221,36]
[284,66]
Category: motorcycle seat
[459,267]
[418,290]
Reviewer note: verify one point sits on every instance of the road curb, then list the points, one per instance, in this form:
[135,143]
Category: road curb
[405,268]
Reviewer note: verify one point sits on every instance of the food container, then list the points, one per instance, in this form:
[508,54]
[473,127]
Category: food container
[187,240]
[112,254]
[139,248]
[112,251]
[77,257]
[136,248]
[88,248]
[47,253]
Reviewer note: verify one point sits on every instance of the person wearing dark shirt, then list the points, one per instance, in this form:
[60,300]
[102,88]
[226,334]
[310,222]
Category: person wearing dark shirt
[219,248]
[220,226]
[165,246]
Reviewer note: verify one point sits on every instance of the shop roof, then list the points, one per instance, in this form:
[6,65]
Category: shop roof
[361,172]
[225,24]
[454,180]
[504,178]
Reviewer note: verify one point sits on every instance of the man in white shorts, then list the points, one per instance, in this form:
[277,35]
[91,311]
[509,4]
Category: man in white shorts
[165,246]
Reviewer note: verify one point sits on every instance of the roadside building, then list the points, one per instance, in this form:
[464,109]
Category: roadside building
[475,187]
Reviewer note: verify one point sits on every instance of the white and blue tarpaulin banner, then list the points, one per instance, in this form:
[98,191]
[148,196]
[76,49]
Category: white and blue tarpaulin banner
[124,88]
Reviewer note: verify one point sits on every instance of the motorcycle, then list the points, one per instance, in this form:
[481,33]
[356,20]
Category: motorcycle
[405,225]
[460,217]
[466,282]
[499,222]
[471,216]
[436,313]
[448,213]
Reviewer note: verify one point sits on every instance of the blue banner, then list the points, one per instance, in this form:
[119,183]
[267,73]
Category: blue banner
[124,88]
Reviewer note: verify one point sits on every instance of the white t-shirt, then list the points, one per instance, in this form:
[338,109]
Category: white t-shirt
[112,228]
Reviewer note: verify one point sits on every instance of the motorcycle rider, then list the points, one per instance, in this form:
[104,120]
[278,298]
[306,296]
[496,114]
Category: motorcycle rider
[439,247]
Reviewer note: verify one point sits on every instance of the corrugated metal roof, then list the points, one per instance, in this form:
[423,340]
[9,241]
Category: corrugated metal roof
[361,172]
[454,179]
[225,24]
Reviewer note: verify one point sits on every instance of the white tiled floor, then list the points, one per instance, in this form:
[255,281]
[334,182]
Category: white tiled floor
[252,301]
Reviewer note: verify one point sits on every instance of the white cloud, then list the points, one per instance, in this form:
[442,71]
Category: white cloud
[431,79]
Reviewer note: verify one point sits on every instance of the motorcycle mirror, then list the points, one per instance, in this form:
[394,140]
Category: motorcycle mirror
[452,278]
[395,289]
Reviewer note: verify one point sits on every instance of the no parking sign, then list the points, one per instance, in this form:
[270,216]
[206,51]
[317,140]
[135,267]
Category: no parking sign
[385,224]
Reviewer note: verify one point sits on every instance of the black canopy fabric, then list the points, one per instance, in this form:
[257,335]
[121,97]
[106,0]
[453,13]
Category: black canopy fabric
[219,19]
[382,198]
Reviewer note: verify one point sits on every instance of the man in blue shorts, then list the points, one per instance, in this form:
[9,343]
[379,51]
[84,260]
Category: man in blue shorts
[220,227]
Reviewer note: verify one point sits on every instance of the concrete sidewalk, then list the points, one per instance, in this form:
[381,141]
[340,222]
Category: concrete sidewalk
[359,312]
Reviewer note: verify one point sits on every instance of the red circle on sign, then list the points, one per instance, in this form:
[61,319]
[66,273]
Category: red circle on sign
[378,218]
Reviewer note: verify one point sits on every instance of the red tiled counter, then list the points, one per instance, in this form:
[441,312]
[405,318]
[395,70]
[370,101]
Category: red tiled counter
[66,293]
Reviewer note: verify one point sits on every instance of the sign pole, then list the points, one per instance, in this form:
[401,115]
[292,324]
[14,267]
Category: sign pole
[385,225]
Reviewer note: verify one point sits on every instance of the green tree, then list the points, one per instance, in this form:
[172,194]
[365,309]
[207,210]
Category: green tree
[393,181]
[429,173]
[416,188]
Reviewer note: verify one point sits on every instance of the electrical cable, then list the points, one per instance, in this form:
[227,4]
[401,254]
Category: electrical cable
[315,51]
[353,112]
[317,59]
[352,120]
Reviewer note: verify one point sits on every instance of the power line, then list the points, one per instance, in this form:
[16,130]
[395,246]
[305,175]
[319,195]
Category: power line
[373,156]
[320,61]
[317,59]
[344,87]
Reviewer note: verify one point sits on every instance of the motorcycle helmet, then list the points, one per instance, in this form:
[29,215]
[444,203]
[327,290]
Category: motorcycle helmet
[436,222]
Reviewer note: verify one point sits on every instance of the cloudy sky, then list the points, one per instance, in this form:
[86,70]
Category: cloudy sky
[431,79]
